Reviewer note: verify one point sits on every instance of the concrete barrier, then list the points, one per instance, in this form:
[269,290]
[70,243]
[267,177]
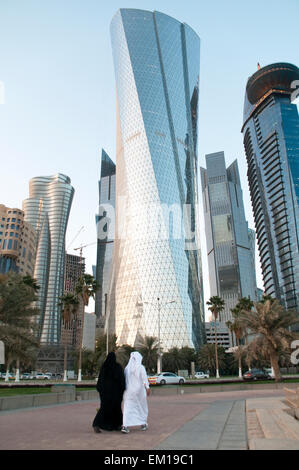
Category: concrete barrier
[87,395]
[177,390]
[31,401]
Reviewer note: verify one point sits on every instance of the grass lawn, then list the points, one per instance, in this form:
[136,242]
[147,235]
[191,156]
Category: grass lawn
[9,392]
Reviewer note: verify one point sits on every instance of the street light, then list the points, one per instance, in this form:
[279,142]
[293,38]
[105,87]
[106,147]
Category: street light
[159,361]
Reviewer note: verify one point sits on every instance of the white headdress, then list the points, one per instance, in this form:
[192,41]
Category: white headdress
[134,363]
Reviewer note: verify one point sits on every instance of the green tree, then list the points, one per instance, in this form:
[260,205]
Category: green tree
[70,305]
[31,282]
[18,326]
[236,327]
[206,358]
[172,360]
[149,348]
[216,305]
[270,324]
[85,289]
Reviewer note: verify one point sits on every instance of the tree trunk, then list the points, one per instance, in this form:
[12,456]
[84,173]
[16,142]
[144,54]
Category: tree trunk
[275,367]
[7,371]
[248,361]
[65,361]
[17,379]
[216,350]
[240,358]
[81,345]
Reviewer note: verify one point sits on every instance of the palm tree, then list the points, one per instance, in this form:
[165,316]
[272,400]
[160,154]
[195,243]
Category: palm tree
[236,328]
[17,324]
[206,358]
[69,303]
[31,282]
[216,305]
[85,289]
[172,359]
[149,348]
[245,305]
[270,323]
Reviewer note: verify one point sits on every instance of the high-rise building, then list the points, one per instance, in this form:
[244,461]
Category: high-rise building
[74,269]
[230,244]
[224,336]
[47,209]
[105,236]
[17,242]
[271,141]
[157,251]
[89,331]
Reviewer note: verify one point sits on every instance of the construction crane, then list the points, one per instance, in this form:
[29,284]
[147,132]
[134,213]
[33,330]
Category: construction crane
[75,237]
[84,246]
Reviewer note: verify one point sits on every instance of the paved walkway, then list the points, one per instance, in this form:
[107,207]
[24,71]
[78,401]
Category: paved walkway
[188,421]
[271,425]
[221,426]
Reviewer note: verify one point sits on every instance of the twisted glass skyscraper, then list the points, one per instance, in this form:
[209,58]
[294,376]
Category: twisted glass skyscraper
[47,209]
[156,255]
[271,140]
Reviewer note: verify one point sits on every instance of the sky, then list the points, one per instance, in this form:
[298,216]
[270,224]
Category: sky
[57,72]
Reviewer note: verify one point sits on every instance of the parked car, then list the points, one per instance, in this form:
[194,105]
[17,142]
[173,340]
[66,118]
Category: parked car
[152,379]
[270,372]
[56,376]
[256,374]
[169,378]
[41,376]
[201,375]
[25,376]
[10,376]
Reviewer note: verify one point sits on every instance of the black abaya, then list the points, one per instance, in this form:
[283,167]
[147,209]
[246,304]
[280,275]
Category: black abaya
[111,386]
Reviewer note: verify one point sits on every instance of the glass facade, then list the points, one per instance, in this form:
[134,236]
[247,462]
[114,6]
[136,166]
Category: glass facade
[47,209]
[105,237]
[156,61]
[271,141]
[230,244]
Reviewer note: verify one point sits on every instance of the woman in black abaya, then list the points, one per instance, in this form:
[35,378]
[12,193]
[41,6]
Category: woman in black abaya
[111,386]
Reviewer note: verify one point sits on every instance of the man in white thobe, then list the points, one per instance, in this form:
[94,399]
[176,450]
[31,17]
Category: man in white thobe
[135,410]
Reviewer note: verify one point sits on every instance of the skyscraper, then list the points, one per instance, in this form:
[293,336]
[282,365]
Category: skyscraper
[105,233]
[17,242]
[74,269]
[47,210]
[156,61]
[230,245]
[271,141]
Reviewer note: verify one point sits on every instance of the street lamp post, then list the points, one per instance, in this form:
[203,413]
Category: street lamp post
[159,360]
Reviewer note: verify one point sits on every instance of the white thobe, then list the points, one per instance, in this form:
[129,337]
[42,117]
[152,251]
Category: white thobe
[135,408]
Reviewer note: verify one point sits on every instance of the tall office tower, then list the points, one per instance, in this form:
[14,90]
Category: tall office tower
[17,242]
[271,141]
[74,269]
[47,209]
[105,238]
[156,61]
[229,242]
